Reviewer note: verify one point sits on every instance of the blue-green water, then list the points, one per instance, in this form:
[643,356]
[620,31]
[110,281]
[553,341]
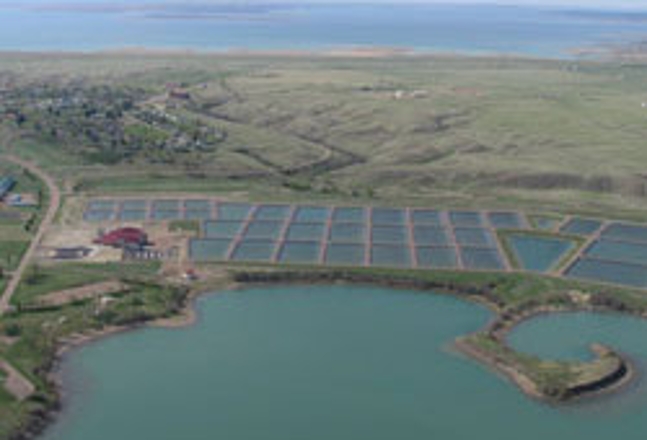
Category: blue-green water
[613,272]
[332,362]
[619,251]
[346,254]
[482,29]
[539,254]
[568,336]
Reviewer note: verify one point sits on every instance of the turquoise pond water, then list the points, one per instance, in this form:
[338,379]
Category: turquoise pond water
[619,251]
[539,254]
[300,253]
[581,226]
[634,233]
[346,254]
[343,363]
[609,272]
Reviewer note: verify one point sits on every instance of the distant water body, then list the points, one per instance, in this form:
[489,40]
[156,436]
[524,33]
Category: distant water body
[337,362]
[436,28]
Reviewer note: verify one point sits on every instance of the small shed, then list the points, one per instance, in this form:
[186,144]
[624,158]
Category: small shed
[6,184]
[21,200]
[71,253]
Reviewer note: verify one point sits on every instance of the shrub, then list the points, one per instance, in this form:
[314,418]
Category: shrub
[13,330]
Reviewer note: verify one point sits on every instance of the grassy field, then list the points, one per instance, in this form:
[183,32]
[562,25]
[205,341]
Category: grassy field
[18,224]
[11,252]
[448,131]
[40,280]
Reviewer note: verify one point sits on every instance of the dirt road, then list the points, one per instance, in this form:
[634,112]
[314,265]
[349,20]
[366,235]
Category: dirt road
[50,214]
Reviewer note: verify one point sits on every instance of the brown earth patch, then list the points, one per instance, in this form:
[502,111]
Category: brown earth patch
[89,291]
[15,383]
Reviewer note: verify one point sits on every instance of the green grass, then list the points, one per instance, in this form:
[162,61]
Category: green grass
[563,136]
[192,226]
[16,233]
[13,232]
[513,289]
[10,221]
[26,182]
[548,376]
[9,419]
[552,379]
[11,253]
[36,346]
[535,218]
[158,183]
[41,280]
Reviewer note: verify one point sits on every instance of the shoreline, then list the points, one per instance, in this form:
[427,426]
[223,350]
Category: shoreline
[501,324]
[325,52]
[594,52]
[189,316]
[501,327]
[619,380]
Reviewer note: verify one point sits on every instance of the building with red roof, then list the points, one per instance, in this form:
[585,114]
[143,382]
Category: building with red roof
[123,237]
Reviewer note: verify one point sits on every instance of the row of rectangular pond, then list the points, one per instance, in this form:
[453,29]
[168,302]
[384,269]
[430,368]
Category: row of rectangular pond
[616,252]
[617,255]
[417,238]
[381,237]
[106,210]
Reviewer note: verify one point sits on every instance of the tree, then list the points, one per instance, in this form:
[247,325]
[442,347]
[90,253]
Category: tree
[35,275]
[13,330]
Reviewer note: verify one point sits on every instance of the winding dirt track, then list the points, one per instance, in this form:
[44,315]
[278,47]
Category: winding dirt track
[54,203]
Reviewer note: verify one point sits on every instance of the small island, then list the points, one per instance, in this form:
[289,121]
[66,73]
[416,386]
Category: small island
[553,382]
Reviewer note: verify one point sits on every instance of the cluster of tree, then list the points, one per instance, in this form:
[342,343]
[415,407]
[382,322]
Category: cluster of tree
[105,124]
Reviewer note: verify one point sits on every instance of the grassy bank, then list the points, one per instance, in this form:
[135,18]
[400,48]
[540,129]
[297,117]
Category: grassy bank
[36,333]
[551,381]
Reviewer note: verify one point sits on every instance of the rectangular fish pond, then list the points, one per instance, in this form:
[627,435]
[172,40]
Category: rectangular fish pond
[581,226]
[619,251]
[345,254]
[626,232]
[538,253]
[506,220]
[625,274]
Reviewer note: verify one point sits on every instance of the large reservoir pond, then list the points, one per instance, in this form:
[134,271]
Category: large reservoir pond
[343,363]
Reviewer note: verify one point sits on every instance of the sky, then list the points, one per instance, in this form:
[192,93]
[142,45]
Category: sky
[633,4]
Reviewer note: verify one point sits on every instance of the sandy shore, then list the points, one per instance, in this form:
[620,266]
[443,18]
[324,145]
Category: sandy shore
[348,52]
